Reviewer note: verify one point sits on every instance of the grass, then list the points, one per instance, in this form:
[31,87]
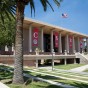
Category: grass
[39,84]
[73,83]
[63,81]
[4,73]
[34,85]
[68,66]
[6,78]
[86,70]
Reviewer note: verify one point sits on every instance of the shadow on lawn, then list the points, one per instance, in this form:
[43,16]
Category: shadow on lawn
[53,86]
[80,85]
[47,77]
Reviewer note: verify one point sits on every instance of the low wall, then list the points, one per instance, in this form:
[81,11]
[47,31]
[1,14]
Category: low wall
[9,59]
[30,60]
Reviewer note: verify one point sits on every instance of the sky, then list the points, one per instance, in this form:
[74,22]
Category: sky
[77,11]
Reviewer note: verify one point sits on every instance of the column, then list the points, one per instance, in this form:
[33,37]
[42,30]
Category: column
[42,45]
[36,62]
[30,38]
[60,44]
[84,40]
[78,45]
[53,53]
[42,41]
[73,48]
[87,43]
[74,60]
[65,61]
[82,45]
[52,41]
[67,44]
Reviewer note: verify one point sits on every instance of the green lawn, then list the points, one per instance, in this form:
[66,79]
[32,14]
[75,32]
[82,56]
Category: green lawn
[68,66]
[39,84]
[63,81]
[34,85]
[86,70]
[6,78]
[4,74]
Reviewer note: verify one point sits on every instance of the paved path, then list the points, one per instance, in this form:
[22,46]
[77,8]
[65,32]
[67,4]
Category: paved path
[3,85]
[79,69]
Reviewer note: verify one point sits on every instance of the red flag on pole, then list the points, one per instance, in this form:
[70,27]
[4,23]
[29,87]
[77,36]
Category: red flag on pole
[35,36]
[56,39]
[70,41]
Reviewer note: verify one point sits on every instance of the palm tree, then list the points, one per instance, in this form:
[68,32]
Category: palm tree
[7,7]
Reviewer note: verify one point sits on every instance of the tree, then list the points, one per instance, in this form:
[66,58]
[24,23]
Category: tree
[7,35]
[9,7]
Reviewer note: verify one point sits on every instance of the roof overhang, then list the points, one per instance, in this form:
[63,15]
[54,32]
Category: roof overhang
[49,27]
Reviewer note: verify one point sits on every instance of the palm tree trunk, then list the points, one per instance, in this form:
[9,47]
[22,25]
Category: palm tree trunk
[18,64]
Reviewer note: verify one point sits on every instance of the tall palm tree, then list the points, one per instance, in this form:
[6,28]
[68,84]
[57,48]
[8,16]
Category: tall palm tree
[18,7]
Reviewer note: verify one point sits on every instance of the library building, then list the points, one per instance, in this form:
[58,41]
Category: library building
[43,41]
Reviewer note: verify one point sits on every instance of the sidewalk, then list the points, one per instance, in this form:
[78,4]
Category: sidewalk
[79,69]
[3,85]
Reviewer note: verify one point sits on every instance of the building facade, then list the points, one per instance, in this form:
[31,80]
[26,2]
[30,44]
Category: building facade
[48,37]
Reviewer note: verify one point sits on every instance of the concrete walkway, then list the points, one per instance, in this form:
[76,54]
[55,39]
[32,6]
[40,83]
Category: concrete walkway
[3,85]
[80,69]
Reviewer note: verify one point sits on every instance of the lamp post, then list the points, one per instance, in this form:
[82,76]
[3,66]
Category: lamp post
[65,52]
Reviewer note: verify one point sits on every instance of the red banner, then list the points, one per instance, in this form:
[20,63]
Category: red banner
[56,39]
[70,41]
[81,43]
[35,36]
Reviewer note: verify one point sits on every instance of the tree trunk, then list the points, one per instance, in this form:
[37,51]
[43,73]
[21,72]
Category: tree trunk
[18,64]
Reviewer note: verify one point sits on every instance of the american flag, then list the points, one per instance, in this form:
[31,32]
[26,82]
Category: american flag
[64,15]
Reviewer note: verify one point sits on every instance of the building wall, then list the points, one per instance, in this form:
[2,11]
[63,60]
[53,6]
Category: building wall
[65,46]
[10,60]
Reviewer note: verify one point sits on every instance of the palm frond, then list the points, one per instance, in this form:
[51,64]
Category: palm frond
[7,8]
[56,2]
[50,5]
[32,6]
[44,4]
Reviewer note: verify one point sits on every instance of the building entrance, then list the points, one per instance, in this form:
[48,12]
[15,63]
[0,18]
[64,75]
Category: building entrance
[63,44]
[47,43]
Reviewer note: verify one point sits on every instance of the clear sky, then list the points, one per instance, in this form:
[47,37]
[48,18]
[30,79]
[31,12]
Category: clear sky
[77,11]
